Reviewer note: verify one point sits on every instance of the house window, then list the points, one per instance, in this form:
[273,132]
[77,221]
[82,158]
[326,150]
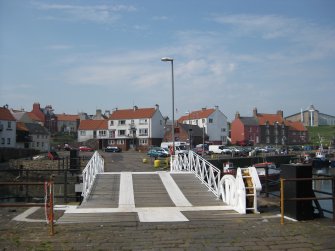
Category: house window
[42,144]
[37,144]
[111,142]
[9,125]
[122,132]
[82,133]
[102,133]
[2,141]
[122,122]
[203,121]
[143,121]
[111,123]
[143,142]
[8,141]
[143,132]
[120,142]
[210,121]
[223,129]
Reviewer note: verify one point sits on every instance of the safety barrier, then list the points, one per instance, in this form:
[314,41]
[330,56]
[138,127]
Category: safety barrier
[205,171]
[94,166]
[284,197]
[48,200]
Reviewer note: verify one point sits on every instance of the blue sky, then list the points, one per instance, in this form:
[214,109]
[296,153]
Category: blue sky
[79,56]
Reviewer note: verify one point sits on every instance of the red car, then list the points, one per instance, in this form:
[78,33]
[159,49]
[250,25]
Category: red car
[85,149]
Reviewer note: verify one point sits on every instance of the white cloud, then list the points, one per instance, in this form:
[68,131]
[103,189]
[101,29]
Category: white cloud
[91,13]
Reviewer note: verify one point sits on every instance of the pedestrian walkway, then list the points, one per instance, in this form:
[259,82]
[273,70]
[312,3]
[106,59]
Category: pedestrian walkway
[146,197]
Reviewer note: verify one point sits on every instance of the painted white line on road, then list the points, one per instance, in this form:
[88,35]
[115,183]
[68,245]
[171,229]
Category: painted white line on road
[161,215]
[126,195]
[25,214]
[173,190]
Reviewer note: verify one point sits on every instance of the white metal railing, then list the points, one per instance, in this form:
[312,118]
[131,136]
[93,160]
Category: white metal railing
[205,171]
[94,166]
[233,191]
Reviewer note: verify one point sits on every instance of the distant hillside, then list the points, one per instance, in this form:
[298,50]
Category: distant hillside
[326,133]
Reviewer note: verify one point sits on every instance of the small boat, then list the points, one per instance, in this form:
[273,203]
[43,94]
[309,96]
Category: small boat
[273,171]
[228,168]
[320,160]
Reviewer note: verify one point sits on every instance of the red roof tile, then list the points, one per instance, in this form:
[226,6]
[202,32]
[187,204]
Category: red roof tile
[139,113]
[67,117]
[295,125]
[34,117]
[20,126]
[91,124]
[5,114]
[271,118]
[204,113]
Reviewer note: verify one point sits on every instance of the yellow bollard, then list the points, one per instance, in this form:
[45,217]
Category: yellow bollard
[157,163]
[145,160]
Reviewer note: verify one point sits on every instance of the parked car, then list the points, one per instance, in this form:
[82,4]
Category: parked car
[85,149]
[113,149]
[158,152]
[220,149]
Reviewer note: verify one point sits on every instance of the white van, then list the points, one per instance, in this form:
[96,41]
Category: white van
[221,149]
[179,146]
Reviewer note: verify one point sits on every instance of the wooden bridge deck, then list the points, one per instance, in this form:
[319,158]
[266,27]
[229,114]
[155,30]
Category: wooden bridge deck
[147,197]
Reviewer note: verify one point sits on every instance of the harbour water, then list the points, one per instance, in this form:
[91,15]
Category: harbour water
[325,186]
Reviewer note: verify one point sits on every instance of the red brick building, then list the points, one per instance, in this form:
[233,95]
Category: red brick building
[263,128]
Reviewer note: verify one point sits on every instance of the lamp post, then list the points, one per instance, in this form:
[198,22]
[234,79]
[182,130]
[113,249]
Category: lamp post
[166,59]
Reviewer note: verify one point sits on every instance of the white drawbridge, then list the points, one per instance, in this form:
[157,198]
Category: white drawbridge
[240,192]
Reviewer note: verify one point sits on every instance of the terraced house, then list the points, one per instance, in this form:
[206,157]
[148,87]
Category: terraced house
[264,128]
[136,128]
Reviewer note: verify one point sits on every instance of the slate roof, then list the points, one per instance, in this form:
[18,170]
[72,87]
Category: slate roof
[35,128]
[250,121]
[196,130]
[92,125]
[139,113]
[5,114]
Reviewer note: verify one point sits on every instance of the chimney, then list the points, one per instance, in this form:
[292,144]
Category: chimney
[135,107]
[237,115]
[216,107]
[157,107]
[36,107]
[107,113]
[254,112]
[280,113]
[98,113]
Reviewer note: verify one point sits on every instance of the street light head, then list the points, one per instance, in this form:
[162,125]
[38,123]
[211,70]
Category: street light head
[167,59]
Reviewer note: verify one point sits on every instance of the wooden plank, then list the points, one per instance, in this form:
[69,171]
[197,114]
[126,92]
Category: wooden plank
[195,192]
[105,192]
[149,191]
